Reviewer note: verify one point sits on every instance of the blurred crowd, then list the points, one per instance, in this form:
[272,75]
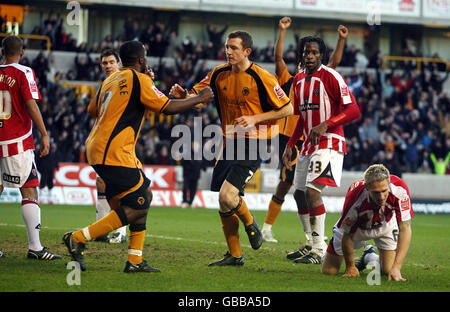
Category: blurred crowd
[405,121]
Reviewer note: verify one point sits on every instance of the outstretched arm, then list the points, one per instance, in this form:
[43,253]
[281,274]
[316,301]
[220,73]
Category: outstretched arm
[280,65]
[252,120]
[176,106]
[336,56]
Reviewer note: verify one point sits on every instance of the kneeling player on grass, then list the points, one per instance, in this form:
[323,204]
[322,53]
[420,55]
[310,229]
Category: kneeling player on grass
[379,208]
[121,105]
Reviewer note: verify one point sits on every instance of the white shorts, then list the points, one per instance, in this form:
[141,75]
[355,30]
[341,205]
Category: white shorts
[18,170]
[384,237]
[319,169]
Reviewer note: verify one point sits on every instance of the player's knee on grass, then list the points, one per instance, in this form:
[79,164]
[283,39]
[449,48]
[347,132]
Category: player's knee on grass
[331,264]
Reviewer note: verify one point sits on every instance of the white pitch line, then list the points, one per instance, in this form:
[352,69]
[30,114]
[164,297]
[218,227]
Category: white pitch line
[148,235]
[206,242]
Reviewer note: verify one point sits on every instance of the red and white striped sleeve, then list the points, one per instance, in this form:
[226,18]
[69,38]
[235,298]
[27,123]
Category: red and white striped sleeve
[349,219]
[399,189]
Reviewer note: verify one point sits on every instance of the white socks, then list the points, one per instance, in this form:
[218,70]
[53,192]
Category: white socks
[31,214]
[318,233]
[267,227]
[304,219]
[101,208]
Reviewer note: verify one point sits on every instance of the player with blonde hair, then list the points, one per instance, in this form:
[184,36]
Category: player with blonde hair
[377,207]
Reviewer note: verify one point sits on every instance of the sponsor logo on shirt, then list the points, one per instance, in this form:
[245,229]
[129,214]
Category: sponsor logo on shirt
[309,106]
[33,86]
[279,92]
[405,204]
[158,93]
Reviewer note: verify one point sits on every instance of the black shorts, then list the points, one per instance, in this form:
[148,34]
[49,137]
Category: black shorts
[129,185]
[285,174]
[235,171]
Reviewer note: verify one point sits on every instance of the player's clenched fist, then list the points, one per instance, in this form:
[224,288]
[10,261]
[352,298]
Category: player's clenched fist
[206,94]
[343,31]
[285,22]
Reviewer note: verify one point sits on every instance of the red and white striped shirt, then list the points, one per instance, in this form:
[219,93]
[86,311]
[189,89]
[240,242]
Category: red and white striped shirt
[360,212]
[317,98]
[17,85]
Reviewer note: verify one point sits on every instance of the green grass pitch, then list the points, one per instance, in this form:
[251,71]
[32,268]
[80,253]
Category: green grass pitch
[181,242]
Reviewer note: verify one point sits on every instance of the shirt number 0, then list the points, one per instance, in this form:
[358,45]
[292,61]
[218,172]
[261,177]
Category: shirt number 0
[5,104]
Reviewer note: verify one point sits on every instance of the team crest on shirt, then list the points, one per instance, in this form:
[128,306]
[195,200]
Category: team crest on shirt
[158,93]
[316,92]
[245,91]
[141,200]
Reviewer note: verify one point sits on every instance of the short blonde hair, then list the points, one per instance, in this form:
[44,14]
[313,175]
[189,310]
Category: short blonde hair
[375,173]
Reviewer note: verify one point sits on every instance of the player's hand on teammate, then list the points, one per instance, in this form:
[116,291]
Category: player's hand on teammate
[285,22]
[343,31]
[206,94]
[178,91]
[287,155]
[351,271]
[45,146]
[245,121]
[396,275]
[317,132]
